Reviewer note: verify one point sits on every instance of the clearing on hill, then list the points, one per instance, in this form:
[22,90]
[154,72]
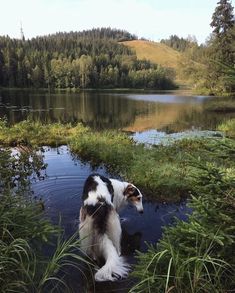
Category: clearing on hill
[155,52]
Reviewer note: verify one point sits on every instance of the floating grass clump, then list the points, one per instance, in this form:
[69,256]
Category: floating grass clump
[37,134]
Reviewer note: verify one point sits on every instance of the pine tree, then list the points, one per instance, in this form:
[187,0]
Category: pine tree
[222,49]
[223,23]
[222,18]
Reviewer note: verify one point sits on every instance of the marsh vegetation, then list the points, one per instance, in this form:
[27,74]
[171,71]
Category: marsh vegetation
[191,255]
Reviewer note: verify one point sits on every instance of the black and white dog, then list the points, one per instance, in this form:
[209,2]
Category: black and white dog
[100,228]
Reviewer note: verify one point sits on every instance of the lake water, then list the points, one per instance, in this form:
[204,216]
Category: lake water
[134,112]
[149,117]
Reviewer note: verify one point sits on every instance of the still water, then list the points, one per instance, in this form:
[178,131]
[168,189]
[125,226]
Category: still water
[134,112]
[61,191]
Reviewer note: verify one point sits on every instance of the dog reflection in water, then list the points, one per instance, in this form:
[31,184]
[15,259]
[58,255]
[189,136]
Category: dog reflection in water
[100,228]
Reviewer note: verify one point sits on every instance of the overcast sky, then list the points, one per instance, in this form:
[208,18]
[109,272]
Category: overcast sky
[151,19]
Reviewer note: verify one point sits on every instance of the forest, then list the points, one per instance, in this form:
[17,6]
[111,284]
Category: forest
[97,58]
[89,59]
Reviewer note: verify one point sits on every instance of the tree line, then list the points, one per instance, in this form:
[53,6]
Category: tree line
[89,59]
[210,66]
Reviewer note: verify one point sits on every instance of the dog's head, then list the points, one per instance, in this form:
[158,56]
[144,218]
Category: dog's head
[134,197]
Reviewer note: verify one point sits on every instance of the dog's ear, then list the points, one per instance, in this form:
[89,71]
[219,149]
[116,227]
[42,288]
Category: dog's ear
[130,189]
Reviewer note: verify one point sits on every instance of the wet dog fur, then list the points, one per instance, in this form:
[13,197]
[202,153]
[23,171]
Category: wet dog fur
[100,228]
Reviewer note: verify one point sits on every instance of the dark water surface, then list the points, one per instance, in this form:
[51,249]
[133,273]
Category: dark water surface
[61,191]
[135,112]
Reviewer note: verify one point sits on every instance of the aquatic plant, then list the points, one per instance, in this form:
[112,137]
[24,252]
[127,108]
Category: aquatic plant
[221,105]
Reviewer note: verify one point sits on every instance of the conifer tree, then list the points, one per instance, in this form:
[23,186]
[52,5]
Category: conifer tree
[222,18]
[223,23]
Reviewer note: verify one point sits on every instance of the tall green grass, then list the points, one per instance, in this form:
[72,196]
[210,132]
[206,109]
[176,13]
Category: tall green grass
[228,128]
[25,231]
[35,133]
[198,255]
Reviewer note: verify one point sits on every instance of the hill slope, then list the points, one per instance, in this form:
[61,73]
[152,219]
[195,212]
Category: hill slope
[155,52]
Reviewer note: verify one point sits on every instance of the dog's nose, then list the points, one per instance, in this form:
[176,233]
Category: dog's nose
[141,212]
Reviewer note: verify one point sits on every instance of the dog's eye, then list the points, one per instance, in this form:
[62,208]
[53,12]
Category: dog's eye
[138,198]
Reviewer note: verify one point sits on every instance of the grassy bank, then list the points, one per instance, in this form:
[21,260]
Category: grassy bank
[37,134]
[161,172]
[198,255]
[228,128]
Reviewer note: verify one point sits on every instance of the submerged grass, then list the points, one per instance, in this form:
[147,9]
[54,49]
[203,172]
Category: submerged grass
[220,105]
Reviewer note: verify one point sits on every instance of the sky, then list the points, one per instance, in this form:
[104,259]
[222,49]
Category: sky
[151,19]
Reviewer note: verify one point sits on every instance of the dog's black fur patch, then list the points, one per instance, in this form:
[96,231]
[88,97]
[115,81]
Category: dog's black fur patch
[91,184]
[136,192]
[100,213]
